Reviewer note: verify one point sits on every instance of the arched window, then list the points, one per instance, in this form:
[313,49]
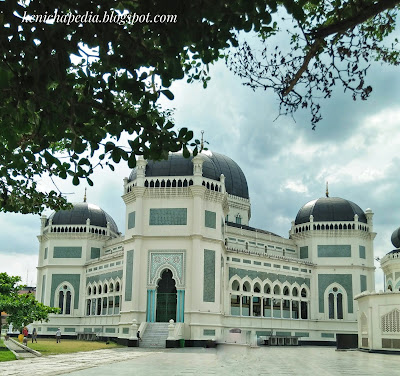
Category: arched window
[64,298]
[246,286]
[117,287]
[94,290]
[277,290]
[105,288]
[235,285]
[100,289]
[335,303]
[267,289]
[111,287]
[295,292]
[89,290]
[285,290]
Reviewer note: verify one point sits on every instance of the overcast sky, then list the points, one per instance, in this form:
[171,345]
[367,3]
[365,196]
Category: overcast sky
[286,163]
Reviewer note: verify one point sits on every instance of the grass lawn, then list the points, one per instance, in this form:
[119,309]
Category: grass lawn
[5,354]
[48,346]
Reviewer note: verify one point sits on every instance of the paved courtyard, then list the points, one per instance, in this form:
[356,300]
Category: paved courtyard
[319,361]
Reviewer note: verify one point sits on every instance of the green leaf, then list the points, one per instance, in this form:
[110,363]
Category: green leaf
[168,94]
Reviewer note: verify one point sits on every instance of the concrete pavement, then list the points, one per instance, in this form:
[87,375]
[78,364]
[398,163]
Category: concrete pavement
[275,361]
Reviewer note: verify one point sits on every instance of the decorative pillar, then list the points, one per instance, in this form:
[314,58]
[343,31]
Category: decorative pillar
[134,328]
[171,330]
[140,171]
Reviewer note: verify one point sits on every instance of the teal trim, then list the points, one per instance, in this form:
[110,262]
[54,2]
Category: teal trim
[129,276]
[257,263]
[303,270]
[69,330]
[284,334]
[235,259]
[43,288]
[253,274]
[67,252]
[328,335]
[153,307]
[277,266]
[131,220]
[334,250]
[148,306]
[87,330]
[45,253]
[267,264]
[52,329]
[363,283]
[210,219]
[151,300]
[295,269]
[263,333]
[97,330]
[73,279]
[168,217]
[290,250]
[345,280]
[286,267]
[209,276]
[246,261]
[183,306]
[125,330]
[180,306]
[110,330]
[361,250]
[304,252]
[208,332]
[94,253]
[301,334]
[102,277]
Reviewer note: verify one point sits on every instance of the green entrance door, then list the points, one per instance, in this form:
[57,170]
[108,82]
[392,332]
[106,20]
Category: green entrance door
[166,298]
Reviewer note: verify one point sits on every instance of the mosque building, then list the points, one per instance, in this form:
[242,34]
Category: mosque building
[188,254]
[379,312]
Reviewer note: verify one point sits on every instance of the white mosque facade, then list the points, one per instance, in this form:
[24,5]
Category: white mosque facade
[189,255]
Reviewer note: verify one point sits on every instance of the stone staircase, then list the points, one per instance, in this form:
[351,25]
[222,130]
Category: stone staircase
[155,335]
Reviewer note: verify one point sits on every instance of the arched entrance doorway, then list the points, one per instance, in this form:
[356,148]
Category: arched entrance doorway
[166,298]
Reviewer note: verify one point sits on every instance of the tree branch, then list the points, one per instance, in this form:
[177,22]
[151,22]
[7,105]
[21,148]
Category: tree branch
[311,53]
[363,15]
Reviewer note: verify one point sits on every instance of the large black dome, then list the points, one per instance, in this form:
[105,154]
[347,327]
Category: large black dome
[80,213]
[396,238]
[214,165]
[330,209]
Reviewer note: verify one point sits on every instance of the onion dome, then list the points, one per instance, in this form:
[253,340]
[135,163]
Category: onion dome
[214,165]
[396,238]
[80,213]
[330,209]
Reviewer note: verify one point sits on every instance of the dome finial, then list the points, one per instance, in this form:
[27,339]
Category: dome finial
[84,197]
[327,191]
[202,141]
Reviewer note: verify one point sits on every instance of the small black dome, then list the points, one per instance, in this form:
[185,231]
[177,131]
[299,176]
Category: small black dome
[80,213]
[214,165]
[396,238]
[330,209]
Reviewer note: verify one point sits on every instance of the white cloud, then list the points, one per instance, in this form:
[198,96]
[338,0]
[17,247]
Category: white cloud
[23,265]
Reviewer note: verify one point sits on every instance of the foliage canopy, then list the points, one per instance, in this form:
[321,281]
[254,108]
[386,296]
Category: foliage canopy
[58,113]
[22,309]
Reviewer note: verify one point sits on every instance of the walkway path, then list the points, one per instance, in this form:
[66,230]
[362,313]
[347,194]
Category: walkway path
[18,350]
[277,361]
